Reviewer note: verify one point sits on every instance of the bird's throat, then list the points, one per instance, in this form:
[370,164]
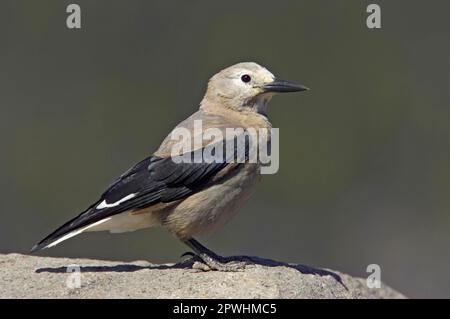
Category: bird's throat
[260,102]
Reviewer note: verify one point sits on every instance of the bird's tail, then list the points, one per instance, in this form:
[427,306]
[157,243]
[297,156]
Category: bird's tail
[70,229]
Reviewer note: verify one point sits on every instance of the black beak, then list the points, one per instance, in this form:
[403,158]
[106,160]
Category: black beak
[283,86]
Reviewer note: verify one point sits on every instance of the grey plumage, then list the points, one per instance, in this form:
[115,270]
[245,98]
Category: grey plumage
[187,198]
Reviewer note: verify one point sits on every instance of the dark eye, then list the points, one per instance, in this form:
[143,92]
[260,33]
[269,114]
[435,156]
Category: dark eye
[246,78]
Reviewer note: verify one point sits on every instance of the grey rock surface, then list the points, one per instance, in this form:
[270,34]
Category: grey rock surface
[23,276]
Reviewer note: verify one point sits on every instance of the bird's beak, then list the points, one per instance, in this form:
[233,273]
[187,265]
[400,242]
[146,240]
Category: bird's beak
[282,86]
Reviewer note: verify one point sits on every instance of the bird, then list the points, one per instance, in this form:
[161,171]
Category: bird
[190,198]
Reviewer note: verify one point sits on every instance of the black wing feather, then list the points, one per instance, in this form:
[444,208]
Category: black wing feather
[153,180]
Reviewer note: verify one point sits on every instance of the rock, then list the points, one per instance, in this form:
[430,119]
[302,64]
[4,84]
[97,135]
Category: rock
[23,276]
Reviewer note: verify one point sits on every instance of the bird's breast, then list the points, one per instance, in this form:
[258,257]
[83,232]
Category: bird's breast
[215,205]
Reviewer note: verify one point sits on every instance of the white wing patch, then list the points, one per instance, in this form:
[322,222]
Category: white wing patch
[104,204]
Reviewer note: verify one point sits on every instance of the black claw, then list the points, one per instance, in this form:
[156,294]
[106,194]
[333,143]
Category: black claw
[188,253]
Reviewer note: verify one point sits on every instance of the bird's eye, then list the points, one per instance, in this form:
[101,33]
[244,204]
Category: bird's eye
[246,78]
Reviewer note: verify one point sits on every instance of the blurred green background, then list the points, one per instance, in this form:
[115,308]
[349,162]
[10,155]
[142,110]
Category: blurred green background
[365,159]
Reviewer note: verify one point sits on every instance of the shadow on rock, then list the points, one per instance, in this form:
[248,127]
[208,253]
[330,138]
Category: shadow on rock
[188,264]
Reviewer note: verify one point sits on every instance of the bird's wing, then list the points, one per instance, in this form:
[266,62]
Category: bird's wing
[154,180]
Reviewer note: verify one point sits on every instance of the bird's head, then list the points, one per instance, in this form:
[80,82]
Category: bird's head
[246,86]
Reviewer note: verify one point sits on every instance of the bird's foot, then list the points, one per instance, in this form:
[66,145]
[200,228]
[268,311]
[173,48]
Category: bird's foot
[218,263]
[188,256]
[206,262]
[205,259]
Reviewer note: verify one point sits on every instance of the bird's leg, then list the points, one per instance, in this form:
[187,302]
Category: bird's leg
[214,261]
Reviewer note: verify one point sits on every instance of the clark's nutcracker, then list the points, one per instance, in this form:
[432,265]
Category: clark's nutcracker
[189,198]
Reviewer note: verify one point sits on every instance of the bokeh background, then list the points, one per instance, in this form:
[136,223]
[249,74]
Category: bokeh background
[364,175]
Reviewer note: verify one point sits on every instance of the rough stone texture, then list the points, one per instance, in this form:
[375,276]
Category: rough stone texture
[23,276]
